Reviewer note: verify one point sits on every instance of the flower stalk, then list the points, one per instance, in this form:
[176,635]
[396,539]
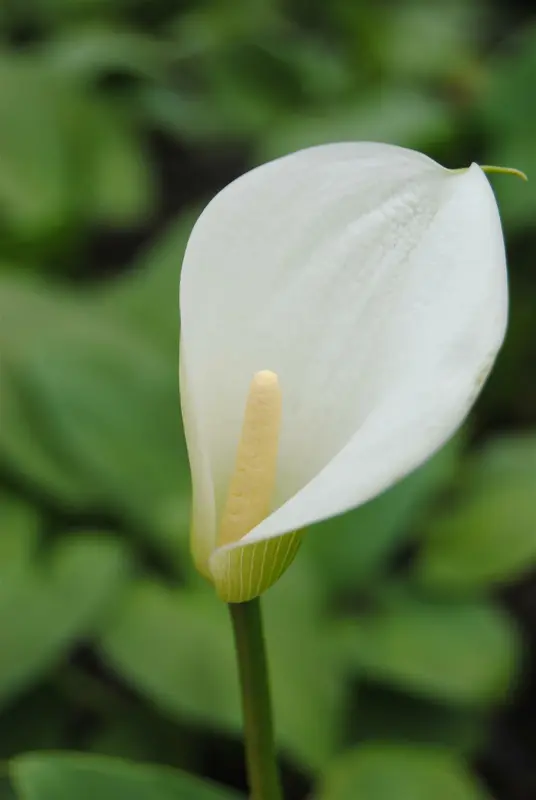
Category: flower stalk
[261,761]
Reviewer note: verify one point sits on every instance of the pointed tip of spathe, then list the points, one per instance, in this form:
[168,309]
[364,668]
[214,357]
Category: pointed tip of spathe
[490,169]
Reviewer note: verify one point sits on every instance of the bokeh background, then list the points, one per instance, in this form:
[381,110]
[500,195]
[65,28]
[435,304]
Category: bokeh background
[403,638]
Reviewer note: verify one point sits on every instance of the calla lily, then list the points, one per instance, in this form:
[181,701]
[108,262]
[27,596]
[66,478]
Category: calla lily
[341,308]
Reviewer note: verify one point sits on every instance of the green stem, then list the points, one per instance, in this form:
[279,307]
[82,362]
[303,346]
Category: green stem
[263,773]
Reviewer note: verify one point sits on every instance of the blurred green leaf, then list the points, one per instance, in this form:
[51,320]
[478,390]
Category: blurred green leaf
[501,461]
[6,790]
[36,458]
[65,156]
[503,104]
[320,73]
[210,27]
[57,777]
[350,550]
[176,647]
[307,674]
[123,734]
[20,529]
[397,115]
[246,88]
[514,365]
[385,713]
[61,12]
[456,652]
[446,33]
[120,189]
[185,115]
[88,52]
[114,406]
[490,537]
[387,771]
[27,456]
[45,610]
[34,147]
[147,296]
[37,721]
[91,410]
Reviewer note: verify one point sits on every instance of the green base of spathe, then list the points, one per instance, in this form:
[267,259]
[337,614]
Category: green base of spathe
[243,573]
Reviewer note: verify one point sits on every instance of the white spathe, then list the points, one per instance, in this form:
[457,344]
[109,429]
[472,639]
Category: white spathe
[373,282]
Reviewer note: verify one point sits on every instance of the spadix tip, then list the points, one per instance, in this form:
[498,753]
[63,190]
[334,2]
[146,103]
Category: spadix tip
[265,378]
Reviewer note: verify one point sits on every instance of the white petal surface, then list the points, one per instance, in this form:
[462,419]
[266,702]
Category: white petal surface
[373,282]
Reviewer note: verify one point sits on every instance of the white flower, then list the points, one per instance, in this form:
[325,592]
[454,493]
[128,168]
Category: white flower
[367,284]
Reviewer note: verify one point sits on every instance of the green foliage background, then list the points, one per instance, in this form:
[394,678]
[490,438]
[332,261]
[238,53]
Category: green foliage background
[398,634]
